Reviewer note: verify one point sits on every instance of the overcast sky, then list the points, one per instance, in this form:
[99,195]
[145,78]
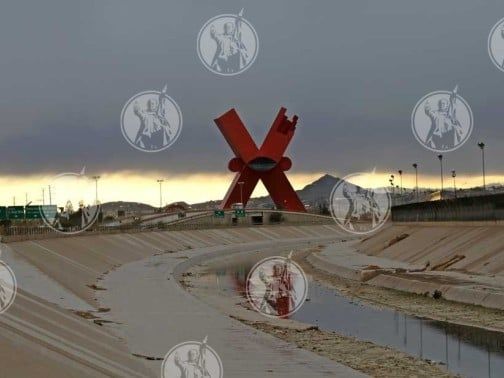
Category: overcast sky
[352,70]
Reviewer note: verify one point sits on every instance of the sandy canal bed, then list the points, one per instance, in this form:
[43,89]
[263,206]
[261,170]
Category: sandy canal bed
[364,356]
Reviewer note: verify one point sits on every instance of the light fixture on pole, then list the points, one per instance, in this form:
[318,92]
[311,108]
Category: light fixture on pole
[454,174]
[400,176]
[415,165]
[241,183]
[160,181]
[392,184]
[96,178]
[440,157]
[481,145]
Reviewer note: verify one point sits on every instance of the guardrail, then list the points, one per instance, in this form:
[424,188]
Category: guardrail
[199,222]
[477,208]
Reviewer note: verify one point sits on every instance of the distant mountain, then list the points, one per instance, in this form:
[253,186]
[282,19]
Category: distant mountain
[313,194]
[319,190]
[127,207]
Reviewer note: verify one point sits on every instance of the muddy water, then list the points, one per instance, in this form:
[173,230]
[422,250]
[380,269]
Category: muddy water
[468,351]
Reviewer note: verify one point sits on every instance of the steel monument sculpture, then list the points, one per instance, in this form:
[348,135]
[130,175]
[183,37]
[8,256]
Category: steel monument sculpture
[267,163]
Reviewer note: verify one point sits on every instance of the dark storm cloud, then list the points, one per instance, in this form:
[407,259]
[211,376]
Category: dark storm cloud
[352,71]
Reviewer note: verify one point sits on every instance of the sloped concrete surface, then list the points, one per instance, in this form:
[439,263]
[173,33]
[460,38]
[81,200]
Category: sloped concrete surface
[40,336]
[382,261]
[154,326]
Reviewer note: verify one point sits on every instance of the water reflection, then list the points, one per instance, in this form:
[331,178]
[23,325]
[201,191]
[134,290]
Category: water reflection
[468,351]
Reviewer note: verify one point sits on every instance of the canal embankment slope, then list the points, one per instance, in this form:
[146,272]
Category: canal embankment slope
[458,261]
[57,325]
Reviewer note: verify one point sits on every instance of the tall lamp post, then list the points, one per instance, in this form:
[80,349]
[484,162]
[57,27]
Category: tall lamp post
[454,174]
[241,183]
[96,178]
[160,182]
[440,157]
[415,165]
[400,176]
[481,145]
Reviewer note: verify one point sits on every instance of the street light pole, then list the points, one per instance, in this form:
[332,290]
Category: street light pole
[415,165]
[241,192]
[43,196]
[160,181]
[454,174]
[440,157]
[96,178]
[481,145]
[50,195]
[400,176]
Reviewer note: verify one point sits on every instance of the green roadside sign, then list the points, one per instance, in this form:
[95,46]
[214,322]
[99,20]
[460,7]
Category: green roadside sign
[33,212]
[3,213]
[48,212]
[240,213]
[15,212]
[219,213]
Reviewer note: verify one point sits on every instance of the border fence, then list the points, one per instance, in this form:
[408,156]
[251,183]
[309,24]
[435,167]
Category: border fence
[478,208]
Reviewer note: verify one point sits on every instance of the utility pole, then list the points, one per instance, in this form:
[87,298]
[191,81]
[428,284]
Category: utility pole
[160,181]
[481,145]
[26,198]
[415,165]
[400,176]
[241,192]
[50,195]
[440,157]
[43,196]
[96,178]
[454,174]
[14,201]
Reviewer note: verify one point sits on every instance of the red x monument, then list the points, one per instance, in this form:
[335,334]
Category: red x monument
[266,163]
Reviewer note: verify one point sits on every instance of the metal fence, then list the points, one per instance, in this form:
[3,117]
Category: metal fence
[474,208]
[201,222]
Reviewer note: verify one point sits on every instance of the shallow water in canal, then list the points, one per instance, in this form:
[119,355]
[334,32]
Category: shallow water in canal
[468,351]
